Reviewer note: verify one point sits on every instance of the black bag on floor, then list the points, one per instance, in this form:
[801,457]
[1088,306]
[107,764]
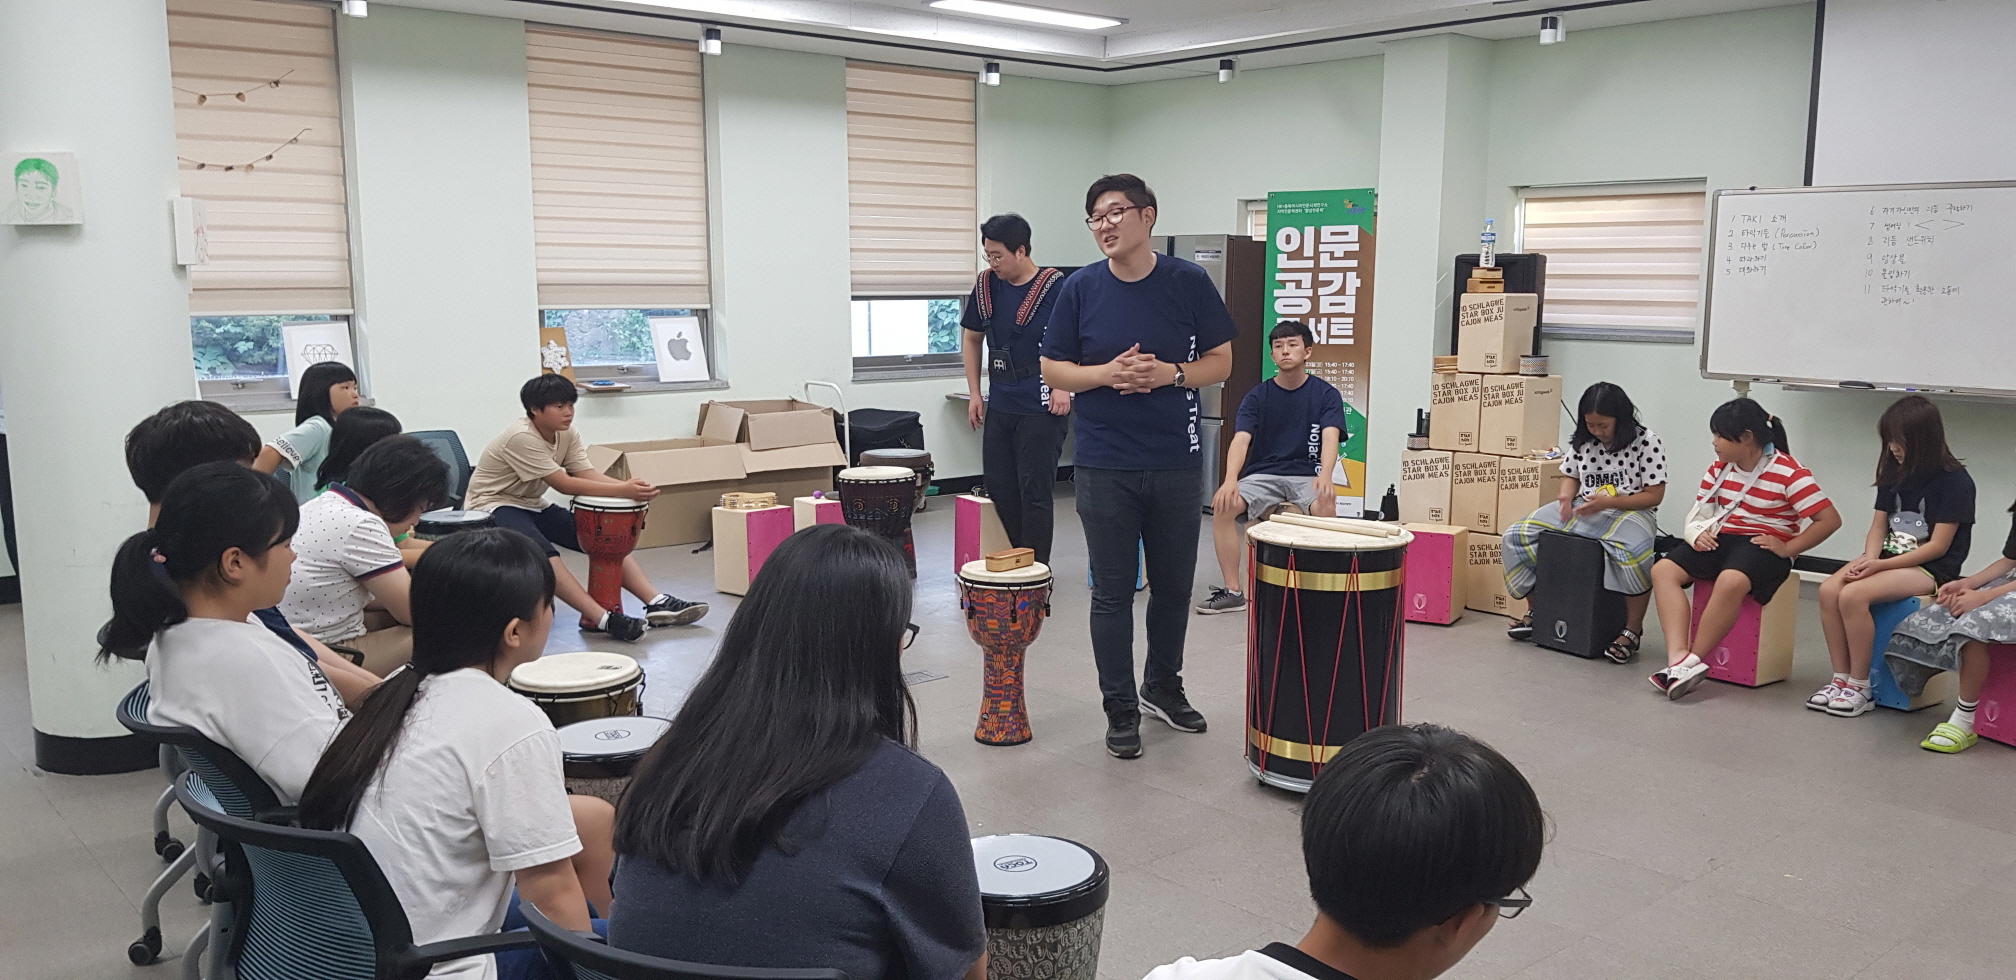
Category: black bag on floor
[880,428]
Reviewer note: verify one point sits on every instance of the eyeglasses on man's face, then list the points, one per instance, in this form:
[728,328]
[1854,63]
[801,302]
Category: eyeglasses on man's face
[1511,905]
[1110,216]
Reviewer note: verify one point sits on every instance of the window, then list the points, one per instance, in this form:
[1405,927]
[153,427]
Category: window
[1623,261]
[622,345]
[259,137]
[1256,219]
[906,338]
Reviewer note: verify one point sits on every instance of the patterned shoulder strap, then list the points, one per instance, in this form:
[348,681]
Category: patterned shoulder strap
[983,297]
[1045,279]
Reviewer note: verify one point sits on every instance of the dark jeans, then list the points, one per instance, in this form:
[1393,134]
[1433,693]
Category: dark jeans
[1162,509]
[1018,462]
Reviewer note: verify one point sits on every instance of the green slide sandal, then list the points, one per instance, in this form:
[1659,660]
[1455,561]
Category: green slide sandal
[1956,740]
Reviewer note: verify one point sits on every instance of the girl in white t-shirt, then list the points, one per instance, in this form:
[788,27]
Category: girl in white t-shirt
[184,591]
[451,779]
[326,390]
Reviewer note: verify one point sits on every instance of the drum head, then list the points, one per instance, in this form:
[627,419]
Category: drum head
[1029,881]
[601,737]
[610,503]
[451,517]
[976,572]
[1322,539]
[573,673]
[877,474]
[905,456]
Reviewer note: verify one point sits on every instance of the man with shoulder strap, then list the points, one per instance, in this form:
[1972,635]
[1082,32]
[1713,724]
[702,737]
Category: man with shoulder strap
[1025,420]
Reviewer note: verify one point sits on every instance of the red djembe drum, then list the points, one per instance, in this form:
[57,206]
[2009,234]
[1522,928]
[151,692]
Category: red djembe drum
[1004,612]
[879,499]
[1324,643]
[607,528]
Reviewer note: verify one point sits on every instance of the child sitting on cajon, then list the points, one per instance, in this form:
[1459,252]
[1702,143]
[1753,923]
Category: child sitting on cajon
[1284,444]
[542,450]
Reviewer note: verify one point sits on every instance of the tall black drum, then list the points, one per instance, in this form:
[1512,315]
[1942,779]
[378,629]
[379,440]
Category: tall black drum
[1324,644]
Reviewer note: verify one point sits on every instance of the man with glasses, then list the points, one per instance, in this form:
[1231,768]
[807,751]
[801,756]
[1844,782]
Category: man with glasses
[1026,420]
[1417,840]
[1134,337]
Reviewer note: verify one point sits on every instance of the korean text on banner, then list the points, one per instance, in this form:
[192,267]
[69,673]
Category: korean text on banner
[1319,271]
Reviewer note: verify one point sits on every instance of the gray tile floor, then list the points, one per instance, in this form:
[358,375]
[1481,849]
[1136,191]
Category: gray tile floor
[1733,835]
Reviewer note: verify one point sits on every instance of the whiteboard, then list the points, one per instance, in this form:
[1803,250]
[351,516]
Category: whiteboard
[1903,286]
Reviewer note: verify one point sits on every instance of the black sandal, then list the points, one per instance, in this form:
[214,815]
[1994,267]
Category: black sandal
[1521,630]
[1624,649]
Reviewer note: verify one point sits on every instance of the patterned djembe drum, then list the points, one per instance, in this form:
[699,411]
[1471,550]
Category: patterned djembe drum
[879,499]
[1004,612]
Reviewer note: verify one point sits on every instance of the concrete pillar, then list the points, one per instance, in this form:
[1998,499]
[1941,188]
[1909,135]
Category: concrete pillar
[95,324]
[1432,146]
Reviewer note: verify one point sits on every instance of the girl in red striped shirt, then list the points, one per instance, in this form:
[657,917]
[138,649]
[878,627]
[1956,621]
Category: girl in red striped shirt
[1741,536]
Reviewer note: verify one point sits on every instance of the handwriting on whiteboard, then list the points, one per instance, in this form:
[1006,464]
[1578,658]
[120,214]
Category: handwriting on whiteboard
[1753,242]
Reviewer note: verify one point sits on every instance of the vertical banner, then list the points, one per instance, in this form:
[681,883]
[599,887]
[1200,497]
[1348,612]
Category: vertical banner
[1319,271]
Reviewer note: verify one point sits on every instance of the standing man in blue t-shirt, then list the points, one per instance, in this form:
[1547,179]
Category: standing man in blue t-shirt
[1284,443]
[1135,336]
[1025,419]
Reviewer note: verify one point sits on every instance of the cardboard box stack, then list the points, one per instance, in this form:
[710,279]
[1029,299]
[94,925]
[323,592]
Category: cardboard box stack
[1490,430]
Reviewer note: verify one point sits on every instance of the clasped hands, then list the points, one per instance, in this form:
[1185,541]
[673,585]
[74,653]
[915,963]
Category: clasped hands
[1135,372]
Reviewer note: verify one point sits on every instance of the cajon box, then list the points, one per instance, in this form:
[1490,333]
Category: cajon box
[743,539]
[807,511]
[1995,717]
[976,530]
[1473,492]
[1424,486]
[1519,414]
[1438,573]
[1758,649]
[1882,685]
[1572,611]
[1524,485]
[1487,592]
[1453,400]
[1493,330]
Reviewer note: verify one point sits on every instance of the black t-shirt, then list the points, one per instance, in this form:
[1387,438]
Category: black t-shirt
[1944,497]
[879,882]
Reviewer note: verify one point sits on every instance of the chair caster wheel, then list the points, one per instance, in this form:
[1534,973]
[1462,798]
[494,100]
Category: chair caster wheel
[202,887]
[145,949]
[167,847]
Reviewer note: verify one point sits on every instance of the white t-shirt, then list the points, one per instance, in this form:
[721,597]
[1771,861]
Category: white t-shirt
[1279,961]
[249,691]
[471,792]
[1627,471]
[338,547]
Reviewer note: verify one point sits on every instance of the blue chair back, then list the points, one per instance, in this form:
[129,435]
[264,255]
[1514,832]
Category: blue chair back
[578,956]
[225,781]
[447,445]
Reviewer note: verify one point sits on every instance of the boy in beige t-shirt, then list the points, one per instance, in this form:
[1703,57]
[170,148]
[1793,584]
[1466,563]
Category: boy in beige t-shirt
[542,450]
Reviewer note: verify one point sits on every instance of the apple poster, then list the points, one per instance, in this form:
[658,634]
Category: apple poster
[682,354]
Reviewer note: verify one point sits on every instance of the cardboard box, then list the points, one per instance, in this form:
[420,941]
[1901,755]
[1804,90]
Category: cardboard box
[768,424]
[1424,486]
[1493,330]
[1524,485]
[1519,414]
[743,539]
[692,474]
[1473,492]
[1454,401]
[1487,579]
[1438,573]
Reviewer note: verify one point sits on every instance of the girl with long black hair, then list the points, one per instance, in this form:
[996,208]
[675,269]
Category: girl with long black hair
[1739,539]
[1918,537]
[784,820]
[325,392]
[355,431]
[451,779]
[1612,482]
[183,595]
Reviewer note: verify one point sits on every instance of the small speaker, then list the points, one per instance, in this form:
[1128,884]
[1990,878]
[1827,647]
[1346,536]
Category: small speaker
[1572,611]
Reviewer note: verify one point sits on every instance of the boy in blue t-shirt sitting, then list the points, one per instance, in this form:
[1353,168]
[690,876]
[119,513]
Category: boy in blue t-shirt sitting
[1284,445]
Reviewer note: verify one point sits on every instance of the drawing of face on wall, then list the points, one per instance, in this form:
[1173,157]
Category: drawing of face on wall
[42,191]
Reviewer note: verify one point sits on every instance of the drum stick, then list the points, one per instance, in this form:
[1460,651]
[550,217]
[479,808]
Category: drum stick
[1354,526]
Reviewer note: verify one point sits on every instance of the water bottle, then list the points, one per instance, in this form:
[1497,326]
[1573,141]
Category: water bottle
[1487,247]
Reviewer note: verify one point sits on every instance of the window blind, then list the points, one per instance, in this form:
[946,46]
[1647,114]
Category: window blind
[912,214]
[266,159]
[1619,260]
[619,171]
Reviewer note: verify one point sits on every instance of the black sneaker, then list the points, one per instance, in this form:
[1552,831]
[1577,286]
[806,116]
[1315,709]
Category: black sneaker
[1123,733]
[1169,704]
[1522,629]
[625,628]
[670,610]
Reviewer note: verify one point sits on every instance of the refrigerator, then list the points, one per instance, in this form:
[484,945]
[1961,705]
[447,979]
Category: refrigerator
[1237,265]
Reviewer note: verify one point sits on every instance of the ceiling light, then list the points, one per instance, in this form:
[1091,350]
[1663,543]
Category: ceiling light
[1027,14]
[1226,68]
[1553,30]
[356,8]
[710,41]
[991,74]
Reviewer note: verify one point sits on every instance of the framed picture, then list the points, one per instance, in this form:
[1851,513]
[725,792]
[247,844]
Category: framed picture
[682,351]
[313,343]
[42,189]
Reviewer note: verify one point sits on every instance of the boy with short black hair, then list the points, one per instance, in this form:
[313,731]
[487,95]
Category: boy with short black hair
[1284,446]
[542,450]
[1417,840]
